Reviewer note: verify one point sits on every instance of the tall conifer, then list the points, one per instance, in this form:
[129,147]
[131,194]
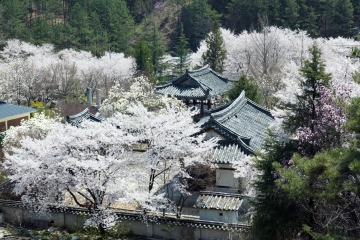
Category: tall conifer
[182,61]
[216,54]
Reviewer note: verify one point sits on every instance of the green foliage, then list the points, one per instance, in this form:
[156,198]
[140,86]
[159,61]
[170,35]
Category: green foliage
[37,104]
[277,216]
[99,40]
[216,53]
[79,20]
[197,18]
[324,18]
[14,19]
[314,73]
[183,61]
[143,57]
[344,19]
[93,24]
[41,32]
[246,84]
[355,52]
[2,136]
[353,122]
[291,16]
[157,50]
[119,231]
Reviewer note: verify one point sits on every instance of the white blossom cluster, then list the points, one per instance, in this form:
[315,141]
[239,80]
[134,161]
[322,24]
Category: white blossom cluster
[47,73]
[141,91]
[95,165]
[36,127]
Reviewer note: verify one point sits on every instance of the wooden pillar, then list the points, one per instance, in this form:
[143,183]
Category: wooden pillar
[202,107]
[209,104]
[187,102]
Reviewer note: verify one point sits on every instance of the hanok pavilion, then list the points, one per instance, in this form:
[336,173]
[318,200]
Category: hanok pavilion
[200,88]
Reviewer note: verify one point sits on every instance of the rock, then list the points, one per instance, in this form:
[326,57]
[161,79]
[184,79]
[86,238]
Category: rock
[52,229]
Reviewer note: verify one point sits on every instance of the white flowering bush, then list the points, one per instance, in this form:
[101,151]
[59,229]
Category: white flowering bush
[36,127]
[141,91]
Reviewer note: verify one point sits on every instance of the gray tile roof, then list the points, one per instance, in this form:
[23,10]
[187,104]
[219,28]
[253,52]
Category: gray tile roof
[9,110]
[243,122]
[219,201]
[77,119]
[227,153]
[198,84]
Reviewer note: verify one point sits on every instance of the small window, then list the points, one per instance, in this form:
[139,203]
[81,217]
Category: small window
[221,214]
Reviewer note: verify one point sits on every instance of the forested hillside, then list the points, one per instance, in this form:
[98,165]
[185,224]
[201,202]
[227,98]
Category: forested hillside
[100,25]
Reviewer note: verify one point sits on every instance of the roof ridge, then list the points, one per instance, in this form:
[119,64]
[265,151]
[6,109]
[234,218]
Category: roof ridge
[83,112]
[199,70]
[265,109]
[169,82]
[220,75]
[218,108]
[220,194]
[234,104]
[238,137]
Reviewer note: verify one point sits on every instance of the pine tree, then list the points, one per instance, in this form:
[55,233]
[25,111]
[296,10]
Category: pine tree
[80,22]
[14,16]
[216,53]
[197,18]
[182,62]
[157,50]
[143,58]
[344,19]
[120,26]
[99,40]
[41,32]
[308,18]
[291,17]
[277,215]
[64,36]
[275,15]
[246,84]
[315,76]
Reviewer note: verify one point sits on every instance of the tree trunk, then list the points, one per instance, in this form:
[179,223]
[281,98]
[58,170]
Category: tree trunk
[102,231]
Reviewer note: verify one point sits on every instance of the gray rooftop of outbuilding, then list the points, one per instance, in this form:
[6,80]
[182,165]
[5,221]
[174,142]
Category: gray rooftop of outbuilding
[219,201]
[9,110]
[77,119]
[242,121]
[227,153]
[198,84]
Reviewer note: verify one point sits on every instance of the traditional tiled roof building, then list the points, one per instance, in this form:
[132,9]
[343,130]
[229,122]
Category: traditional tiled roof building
[197,88]
[242,122]
[241,126]
[77,119]
[220,207]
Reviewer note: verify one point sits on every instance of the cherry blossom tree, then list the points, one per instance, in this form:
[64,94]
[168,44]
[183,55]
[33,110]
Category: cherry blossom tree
[58,73]
[73,164]
[95,166]
[36,127]
[169,143]
[292,47]
[20,81]
[141,90]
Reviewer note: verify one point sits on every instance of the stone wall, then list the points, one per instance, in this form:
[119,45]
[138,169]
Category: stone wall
[175,229]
